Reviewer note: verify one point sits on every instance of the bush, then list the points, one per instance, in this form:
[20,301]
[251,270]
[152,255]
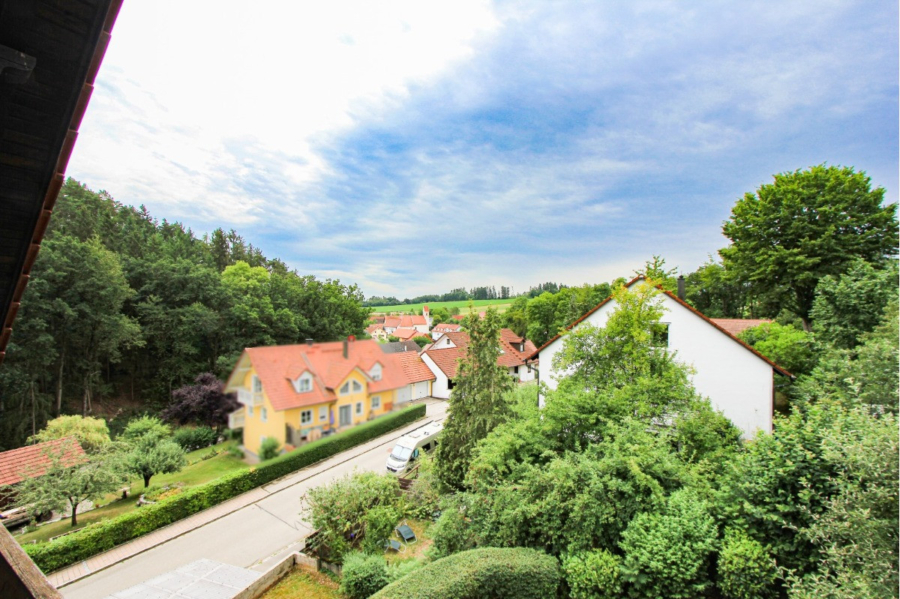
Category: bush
[379,522]
[514,573]
[269,449]
[195,438]
[236,452]
[102,536]
[592,575]
[666,553]
[746,570]
[363,575]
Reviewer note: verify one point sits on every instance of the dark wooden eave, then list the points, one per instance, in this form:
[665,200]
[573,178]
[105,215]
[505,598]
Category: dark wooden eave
[40,112]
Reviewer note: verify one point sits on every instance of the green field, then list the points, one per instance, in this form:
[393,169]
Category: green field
[500,304]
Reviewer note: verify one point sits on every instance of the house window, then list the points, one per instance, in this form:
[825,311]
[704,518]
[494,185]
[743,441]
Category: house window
[450,383]
[345,388]
[249,411]
[376,402]
[516,369]
[529,368]
[304,385]
[305,416]
[263,415]
[257,384]
[323,413]
[375,373]
[660,334]
[356,387]
[359,407]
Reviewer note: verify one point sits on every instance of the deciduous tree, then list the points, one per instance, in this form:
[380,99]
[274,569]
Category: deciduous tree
[202,403]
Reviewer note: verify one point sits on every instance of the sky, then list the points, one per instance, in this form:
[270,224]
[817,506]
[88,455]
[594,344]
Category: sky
[413,147]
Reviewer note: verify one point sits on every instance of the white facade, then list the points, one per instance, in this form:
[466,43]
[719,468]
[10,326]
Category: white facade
[738,382]
[440,387]
[525,373]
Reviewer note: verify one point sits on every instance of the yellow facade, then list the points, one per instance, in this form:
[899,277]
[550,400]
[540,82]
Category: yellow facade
[352,407]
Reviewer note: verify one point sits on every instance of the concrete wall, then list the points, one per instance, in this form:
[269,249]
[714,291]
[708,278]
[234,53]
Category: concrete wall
[736,381]
[439,388]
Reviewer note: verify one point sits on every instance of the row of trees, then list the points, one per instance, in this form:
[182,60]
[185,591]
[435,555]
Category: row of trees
[122,306]
[461,294]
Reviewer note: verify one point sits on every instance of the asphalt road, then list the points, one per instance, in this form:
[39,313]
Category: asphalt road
[255,536]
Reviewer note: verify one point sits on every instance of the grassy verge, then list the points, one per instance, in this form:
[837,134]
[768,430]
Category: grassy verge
[107,534]
[198,472]
[305,584]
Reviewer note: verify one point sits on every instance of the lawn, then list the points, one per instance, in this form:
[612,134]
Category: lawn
[194,474]
[306,585]
[415,550]
[463,305]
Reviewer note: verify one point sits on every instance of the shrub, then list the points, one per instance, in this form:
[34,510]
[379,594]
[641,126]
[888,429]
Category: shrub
[499,573]
[592,575]
[666,553]
[195,438]
[452,532]
[363,575]
[269,449]
[236,452]
[746,570]
[102,536]
[379,526]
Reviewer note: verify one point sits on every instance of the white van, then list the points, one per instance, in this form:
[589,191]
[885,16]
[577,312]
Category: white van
[409,447]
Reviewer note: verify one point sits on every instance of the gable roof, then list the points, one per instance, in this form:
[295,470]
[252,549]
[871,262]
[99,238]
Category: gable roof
[510,342]
[277,366]
[396,347]
[408,333]
[447,327]
[446,358]
[414,369]
[722,330]
[32,461]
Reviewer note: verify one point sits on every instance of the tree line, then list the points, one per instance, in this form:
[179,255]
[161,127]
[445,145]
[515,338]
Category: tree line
[124,307]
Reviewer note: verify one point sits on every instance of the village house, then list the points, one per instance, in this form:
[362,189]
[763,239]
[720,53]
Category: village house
[32,461]
[738,380]
[440,329]
[443,355]
[376,331]
[298,393]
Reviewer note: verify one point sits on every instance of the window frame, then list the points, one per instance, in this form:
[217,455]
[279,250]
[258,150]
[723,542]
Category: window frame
[264,414]
[373,400]
[359,408]
[323,413]
[345,389]
[309,414]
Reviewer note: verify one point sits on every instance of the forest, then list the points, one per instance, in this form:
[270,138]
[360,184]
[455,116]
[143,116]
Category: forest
[122,309]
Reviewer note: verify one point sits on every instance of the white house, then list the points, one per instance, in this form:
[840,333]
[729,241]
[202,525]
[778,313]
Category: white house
[737,379]
[443,355]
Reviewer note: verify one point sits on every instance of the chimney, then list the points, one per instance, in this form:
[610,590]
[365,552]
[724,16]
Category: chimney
[309,342]
[681,293]
[345,349]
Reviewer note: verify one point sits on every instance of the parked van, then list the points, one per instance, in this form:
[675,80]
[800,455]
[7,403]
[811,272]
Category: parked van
[409,447]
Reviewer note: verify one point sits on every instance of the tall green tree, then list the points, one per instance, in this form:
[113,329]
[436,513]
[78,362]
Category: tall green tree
[91,433]
[806,225]
[477,402]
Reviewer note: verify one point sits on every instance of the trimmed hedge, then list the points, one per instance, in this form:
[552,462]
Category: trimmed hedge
[105,535]
[490,572]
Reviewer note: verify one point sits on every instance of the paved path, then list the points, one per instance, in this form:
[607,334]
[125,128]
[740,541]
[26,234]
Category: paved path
[250,530]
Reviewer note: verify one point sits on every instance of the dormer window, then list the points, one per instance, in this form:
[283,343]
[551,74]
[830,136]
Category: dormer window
[303,383]
[375,373]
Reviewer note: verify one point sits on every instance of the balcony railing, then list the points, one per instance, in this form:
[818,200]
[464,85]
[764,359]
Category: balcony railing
[236,419]
[249,398]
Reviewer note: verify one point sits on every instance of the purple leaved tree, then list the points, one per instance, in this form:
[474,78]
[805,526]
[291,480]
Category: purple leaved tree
[202,403]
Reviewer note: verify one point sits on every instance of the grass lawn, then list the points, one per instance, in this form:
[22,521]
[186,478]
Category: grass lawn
[463,305]
[113,505]
[415,550]
[306,585]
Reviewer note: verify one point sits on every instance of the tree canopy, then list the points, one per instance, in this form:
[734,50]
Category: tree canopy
[805,225]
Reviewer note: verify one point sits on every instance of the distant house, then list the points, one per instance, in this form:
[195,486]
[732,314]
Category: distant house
[33,461]
[298,393]
[396,347]
[405,334]
[376,331]
[737,379]
[440,329]
[443,356]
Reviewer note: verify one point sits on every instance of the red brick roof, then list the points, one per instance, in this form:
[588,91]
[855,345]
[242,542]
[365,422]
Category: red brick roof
[775,366]
[279,365]
[34,460]
[414,368]
[737,325]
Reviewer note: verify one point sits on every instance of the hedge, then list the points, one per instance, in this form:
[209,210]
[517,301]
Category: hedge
[490,572]
[102,536]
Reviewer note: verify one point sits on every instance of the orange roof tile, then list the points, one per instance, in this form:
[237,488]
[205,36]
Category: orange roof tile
[407,333]
[34,460]
[738,325]
[414,368]
[275,366]
[446,358]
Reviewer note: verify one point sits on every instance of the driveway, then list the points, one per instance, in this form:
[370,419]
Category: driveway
[251,536]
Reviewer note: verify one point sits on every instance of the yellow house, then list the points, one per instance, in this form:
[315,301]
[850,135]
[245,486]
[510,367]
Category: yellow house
[298,393]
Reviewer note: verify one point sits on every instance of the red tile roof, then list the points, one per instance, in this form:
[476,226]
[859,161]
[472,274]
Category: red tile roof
[392,321]
[34,460]
[737,325]
[411,321]
[446,327]
[775,366]
[447,358]
[407,333]
[275,366]
[414,368]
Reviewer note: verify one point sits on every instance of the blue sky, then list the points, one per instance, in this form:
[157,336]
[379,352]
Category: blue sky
[411,147]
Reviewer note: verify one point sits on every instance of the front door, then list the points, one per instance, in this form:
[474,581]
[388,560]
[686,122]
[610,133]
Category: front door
[344,416]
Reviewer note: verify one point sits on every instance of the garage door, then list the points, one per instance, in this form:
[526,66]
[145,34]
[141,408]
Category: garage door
[404,395]
[420,390]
